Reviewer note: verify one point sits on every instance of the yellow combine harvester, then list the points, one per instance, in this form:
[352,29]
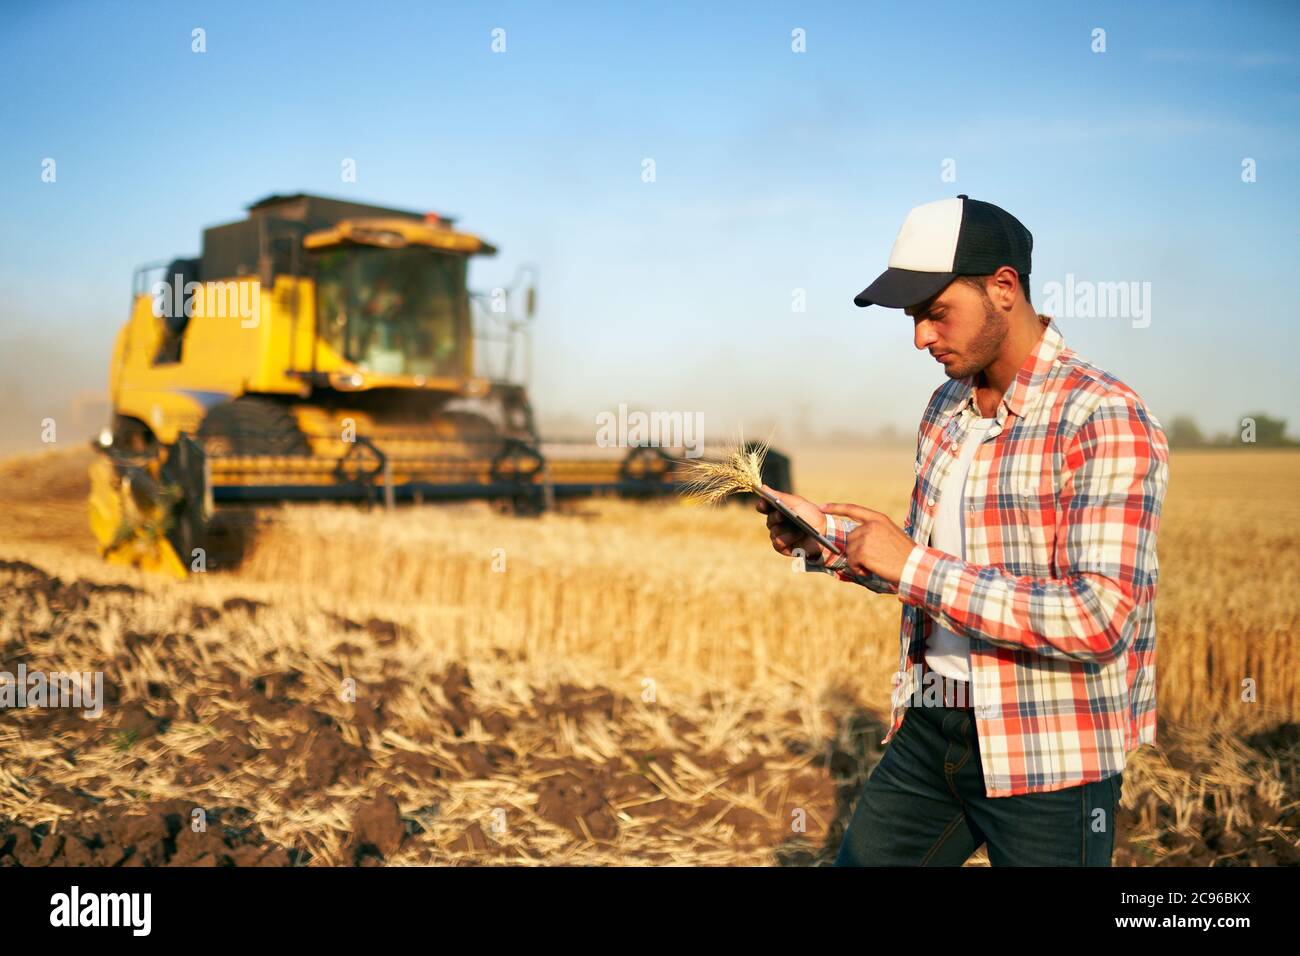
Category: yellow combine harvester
[325,350]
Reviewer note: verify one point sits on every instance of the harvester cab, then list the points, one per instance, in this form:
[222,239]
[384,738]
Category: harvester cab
[319,350]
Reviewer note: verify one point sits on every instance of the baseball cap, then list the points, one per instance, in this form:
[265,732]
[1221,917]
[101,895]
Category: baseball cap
[942,240]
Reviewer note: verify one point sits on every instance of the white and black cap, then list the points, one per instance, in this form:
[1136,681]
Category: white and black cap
[942,240]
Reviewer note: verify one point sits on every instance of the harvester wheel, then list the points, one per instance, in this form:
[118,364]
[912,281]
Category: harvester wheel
[252,426]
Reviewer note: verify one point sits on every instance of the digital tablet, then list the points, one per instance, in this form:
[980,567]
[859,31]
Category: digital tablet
[799,522]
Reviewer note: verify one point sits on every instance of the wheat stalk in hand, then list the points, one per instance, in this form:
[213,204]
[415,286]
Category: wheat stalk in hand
[740,470]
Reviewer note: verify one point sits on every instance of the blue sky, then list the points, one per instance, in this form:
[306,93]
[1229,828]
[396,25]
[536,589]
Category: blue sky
[775,171]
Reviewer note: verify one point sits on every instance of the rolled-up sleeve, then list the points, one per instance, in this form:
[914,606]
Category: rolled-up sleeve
[837,530]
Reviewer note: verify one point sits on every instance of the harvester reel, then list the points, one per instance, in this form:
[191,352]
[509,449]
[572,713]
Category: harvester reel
[361,464]
[519,463]
[646,463]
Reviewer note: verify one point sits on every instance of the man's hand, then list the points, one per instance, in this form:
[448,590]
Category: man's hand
[876,545]
[786,538]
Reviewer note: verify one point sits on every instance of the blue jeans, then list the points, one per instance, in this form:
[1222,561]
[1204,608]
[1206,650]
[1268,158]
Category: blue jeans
[924,805]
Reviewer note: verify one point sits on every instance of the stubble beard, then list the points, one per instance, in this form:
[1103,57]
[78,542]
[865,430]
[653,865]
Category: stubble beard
[984,348]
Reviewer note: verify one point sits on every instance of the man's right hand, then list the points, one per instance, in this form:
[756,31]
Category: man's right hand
[786,538]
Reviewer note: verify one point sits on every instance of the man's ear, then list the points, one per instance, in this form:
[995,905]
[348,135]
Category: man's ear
[1003,288]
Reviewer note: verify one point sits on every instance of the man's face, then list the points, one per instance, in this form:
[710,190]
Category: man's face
[961,328]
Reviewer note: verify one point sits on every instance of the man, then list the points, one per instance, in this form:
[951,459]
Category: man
[1026,569]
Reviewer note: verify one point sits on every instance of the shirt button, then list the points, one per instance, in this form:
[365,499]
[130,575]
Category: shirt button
[953,448]
[930,503]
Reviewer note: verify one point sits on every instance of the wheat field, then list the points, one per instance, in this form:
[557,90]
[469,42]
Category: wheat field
[619,683]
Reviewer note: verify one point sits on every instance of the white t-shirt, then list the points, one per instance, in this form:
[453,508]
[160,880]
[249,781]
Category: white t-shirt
[946,652]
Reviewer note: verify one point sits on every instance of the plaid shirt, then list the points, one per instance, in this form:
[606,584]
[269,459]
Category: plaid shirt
[1057,587]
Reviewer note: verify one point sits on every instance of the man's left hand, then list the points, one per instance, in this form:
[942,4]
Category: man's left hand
[876,545]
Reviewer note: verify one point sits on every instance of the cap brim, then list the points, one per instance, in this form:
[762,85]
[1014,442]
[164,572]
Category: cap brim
[901,288]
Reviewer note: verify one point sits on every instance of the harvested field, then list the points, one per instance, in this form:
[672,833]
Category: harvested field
[616,684]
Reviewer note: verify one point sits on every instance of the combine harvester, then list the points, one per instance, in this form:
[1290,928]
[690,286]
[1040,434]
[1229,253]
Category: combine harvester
[328,350]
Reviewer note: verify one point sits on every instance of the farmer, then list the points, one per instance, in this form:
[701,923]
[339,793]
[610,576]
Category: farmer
[1026,569]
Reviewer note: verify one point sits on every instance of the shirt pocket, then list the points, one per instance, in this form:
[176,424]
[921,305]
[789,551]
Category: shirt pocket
[1035,534]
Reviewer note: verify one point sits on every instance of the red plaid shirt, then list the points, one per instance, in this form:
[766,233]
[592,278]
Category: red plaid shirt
[1057,587]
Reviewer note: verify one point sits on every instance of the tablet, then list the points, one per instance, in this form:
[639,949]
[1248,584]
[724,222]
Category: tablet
[798,522]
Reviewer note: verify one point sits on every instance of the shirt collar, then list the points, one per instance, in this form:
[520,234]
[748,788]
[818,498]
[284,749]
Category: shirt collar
[1029,379]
